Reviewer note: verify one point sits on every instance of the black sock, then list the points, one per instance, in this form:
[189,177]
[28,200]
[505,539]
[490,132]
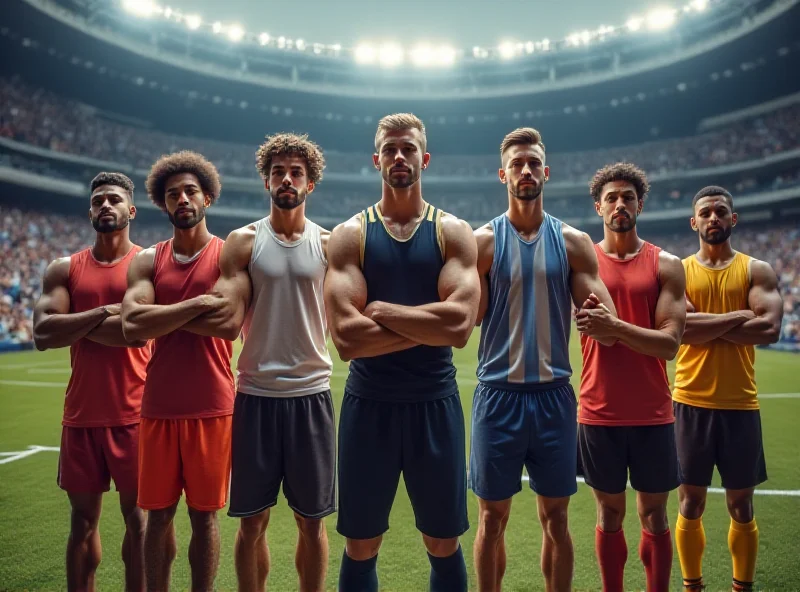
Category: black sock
[448,574]
[358,576]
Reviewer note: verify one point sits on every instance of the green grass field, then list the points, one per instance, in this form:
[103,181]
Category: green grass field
[34,513]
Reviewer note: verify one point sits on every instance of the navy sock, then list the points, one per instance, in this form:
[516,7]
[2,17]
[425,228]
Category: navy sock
[448,574]
[358,576]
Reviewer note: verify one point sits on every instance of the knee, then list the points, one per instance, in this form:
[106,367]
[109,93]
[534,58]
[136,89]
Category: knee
[692,507]
[494,522]
[253,528]
[654,519]
[555,522]
[741,510]
[202,520]
[440,547]
[82,525]
[363,549]
[310,528]
[160,519]
[611,518]
[135,522]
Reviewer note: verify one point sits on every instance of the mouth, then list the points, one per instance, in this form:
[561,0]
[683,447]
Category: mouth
[107,217]
[182,212]
[619,217]
[399,170]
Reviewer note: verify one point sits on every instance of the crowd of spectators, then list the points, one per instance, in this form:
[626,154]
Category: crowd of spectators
[29,240]
[40,118]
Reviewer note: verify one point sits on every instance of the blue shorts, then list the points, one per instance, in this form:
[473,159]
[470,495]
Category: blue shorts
[423,440]
[537,429]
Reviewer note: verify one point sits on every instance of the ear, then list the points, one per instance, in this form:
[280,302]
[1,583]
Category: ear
[90,214]
[501,174]
[207,201]
[641,207]
[310,187]
[734,218]
[598,207]
[546,173]
[426,158]
[376,161]
[693,223]
[266,184]
[132,212]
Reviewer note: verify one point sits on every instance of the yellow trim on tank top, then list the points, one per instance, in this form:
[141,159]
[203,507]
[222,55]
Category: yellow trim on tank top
[389,232]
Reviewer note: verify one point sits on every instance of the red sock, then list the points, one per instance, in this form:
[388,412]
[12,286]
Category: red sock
[612,553]
[655,550]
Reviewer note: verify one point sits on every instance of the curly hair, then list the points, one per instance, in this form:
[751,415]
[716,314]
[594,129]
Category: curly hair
[295,145]
[713,190]
[620,171]
[178,163]
[115,179]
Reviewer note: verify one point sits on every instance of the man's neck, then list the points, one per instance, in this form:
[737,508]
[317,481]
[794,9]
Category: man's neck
[623,245]
[526,216]
[190,241]
[288,224]
[715,254]
[111,246]
[402,205]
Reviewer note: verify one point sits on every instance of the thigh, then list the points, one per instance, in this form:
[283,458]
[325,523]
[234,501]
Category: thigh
[309,455]
[653,458]
[160,478]
[369,466]
[256,455]
[121,451]
[603,457]
[498,443]
[206,458]
[740,449]
[695,443]
[435,466]
[81,465]
[552,454]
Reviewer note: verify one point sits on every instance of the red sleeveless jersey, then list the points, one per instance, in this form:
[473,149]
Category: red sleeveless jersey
[618,385]
[189,375]
[106,385]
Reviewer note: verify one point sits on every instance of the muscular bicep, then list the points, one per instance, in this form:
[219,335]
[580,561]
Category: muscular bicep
[764,298]
[55,291]
[234,280]
[459,280]
[140,281]
[671,307]
[345,289]
[585,270]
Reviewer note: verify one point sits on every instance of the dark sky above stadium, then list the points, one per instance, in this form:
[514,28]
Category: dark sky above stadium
[462,23]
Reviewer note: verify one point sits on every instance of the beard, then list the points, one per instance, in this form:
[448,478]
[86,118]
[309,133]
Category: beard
[401,180]
[290,199]
[621,224]
[528,192]
[186,223]
[106,226]
[718,237]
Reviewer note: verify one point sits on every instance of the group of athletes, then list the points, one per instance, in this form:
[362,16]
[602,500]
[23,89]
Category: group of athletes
[152,401]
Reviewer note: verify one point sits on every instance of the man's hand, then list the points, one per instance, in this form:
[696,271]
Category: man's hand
[113,310]
[597,322]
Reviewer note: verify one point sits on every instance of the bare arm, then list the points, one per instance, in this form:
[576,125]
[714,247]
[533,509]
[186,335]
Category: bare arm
[664,339]
[53,325]
[233,286]
[141,317]
[766,303]
[109,332]
[353,334]
[484,237]
[450,321]
[702,327]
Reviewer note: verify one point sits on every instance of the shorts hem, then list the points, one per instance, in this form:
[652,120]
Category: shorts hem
[694,483]
[158,506]
[318,516]
[604,489]
[250,513]
[654,490]
[342,532]
[624,423]
[84,490]
[487,497]
[554,494]
[457,533]
[211,508]
[727,486]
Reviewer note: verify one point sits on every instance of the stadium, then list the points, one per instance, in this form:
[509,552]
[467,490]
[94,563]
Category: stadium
[705,93]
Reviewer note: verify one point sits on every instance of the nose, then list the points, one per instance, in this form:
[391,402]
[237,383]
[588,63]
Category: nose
[287,180]
[183,199]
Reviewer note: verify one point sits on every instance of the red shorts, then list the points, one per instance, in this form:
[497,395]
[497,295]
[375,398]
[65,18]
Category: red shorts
[185,454]
[90,457]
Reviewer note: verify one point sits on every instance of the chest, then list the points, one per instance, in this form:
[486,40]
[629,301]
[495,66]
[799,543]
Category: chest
[273,264]
[517,262]
[97,287]
[717,291]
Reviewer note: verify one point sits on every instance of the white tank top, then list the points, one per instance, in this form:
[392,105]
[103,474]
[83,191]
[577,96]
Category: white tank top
[285,351]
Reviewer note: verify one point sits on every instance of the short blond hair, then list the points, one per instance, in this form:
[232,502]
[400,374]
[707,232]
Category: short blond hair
[522,136]
[400,121]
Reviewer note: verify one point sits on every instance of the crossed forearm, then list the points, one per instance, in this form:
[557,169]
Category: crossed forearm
[62,330]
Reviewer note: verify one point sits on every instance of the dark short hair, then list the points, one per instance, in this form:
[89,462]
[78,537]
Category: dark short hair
[115,179]
[620,171]
[521,136]
[713,190]
[178,163]
[295,145]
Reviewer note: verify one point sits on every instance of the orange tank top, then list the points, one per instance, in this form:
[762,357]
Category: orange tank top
[106,385]
[618,385]
[189,375]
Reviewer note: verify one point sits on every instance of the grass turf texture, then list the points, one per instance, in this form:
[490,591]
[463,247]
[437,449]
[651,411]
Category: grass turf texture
[34,513]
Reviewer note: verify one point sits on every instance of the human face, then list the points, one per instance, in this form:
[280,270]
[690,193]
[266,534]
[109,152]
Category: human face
[186,205]
[713,219]
[110,209]
[619,206]
[400,158]
[524,171]
[288,182]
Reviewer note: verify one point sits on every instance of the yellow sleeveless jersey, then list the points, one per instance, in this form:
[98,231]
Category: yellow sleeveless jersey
[718,374]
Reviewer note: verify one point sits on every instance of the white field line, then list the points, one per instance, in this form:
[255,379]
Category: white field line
[33,383]
[12,456]
[30,365]
[50,371]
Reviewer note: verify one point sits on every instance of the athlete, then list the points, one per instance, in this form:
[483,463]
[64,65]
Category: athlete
[532,268]
[272,274]
[625,420]
[401,292]
[733,304]
[80,308]
[188,395]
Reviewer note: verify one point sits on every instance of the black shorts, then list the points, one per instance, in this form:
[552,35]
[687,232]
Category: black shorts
[608,453]
[283,439]
[425,441]
[727,438]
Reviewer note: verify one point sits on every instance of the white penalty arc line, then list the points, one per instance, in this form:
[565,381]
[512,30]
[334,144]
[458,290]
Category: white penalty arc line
[12,456]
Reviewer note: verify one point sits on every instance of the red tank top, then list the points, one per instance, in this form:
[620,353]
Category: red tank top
[189,375]
[106,385]
[618,385]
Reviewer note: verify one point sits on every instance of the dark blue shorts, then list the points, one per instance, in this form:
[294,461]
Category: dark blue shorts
[424,441]
[537,429]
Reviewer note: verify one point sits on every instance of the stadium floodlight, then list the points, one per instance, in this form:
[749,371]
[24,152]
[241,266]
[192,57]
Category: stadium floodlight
[336,47]
[263,39]
[365,54]
[282,42]
[167,12]
[507,50]
[586,37]
[634,23]
[193,22]
[216,27]
[142,8]
[446,55]
[235,33]
[529,47]
[300,44]
[390,55]
[661,18]
[574,39]
[422,55]
[699,5]
[545,44]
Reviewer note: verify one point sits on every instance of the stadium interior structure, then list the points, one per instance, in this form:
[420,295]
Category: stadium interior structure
[711,98]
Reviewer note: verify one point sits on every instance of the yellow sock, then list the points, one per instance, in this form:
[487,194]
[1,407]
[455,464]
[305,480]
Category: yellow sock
[743,544]
[690,539]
